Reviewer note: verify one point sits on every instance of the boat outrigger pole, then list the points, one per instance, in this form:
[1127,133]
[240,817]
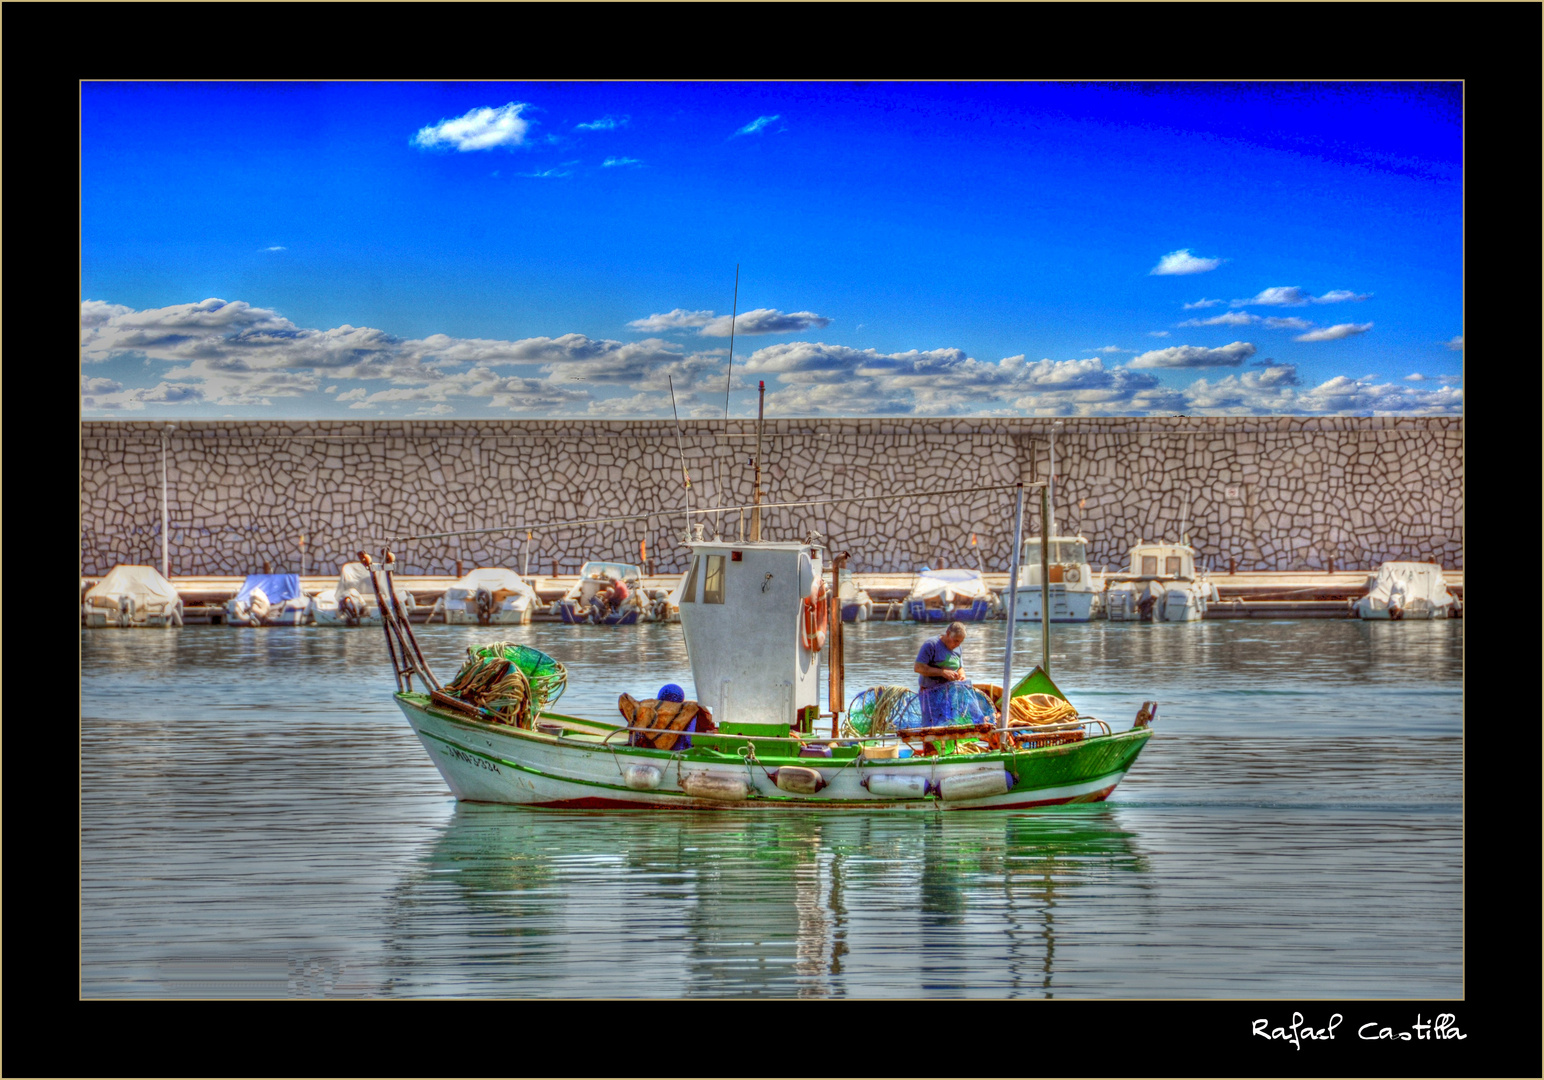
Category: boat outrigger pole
[1013,591]
[1045,582]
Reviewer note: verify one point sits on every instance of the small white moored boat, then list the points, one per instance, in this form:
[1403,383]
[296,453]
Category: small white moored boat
[131,596]
[488,596]
[1161,584]
[351,602]
[1406,590]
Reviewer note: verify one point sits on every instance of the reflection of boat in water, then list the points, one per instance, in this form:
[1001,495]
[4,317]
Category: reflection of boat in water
[1406,590]
[780,905]
[578,604]
[950,596]
[1074,595]
[857,605]
[269,600]
[351,602]
[1160,585]
[131,596]
[488,596]
[756,617]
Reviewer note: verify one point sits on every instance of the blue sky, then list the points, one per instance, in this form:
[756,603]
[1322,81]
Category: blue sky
[375,250]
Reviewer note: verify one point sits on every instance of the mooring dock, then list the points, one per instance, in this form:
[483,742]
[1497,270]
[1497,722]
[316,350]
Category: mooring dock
[1304,594]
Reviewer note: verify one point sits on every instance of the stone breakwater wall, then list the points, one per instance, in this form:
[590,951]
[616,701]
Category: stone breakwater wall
[1269,493]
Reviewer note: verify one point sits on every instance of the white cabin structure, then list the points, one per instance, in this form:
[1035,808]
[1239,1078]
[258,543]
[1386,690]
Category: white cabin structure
[1075,596]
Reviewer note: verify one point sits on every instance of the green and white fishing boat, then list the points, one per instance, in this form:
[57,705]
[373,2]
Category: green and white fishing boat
[756,615]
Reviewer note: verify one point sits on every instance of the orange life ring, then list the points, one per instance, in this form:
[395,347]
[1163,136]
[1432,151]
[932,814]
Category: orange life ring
[816,616]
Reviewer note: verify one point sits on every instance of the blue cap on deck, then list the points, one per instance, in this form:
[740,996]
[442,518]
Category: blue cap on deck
[671,692]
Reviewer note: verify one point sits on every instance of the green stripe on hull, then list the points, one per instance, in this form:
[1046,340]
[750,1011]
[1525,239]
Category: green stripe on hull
[1047,768]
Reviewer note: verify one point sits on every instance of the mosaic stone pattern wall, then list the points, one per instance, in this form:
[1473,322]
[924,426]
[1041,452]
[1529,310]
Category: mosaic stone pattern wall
[1269,493]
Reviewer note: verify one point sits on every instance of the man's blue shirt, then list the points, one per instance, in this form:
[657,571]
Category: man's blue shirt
[935,653]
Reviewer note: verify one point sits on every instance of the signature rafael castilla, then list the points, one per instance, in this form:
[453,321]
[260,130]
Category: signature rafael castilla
[1443,1027]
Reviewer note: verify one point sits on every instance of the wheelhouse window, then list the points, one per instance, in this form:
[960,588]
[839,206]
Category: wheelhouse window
[1171,566]
[689,593]
[1071,552]
[1149,566]
[713,584]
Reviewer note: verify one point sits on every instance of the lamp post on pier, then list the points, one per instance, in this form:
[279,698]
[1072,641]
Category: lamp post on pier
[166,570]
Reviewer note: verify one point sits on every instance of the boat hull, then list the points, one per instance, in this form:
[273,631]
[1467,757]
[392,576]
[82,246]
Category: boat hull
[1066,605]
[918,611]
[568,613]
[498,764]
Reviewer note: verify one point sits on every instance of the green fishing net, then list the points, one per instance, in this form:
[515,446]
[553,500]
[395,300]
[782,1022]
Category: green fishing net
[514,682]
[882,709]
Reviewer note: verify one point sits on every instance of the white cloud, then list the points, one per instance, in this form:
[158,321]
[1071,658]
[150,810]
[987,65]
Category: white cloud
[1182,262]
[1112,349]
[1337,296]
[135,399]
[1230,318]
[616,162]
[276,247]
[765,321]
[1277,295]
[1335,333]
[1288,323]
[1192,356]
[1457,344]
[1157,333]
[99,386]
[1268,390]
[359,393]
[1343,395]
[436,410]
[1202,303]
[1292,295]
[605,123]
[1415,376]
[557,171]
[675,319]
[480,129]
[756,125]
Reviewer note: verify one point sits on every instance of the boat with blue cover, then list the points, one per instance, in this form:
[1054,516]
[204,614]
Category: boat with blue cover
[579,604]
[946,596]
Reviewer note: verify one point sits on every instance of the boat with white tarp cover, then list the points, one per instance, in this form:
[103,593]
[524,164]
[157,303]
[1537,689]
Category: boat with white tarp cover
[488,596]
[352,602]
[131,596]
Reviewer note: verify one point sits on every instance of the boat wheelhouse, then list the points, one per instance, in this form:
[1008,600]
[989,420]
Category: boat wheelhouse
[1074,594]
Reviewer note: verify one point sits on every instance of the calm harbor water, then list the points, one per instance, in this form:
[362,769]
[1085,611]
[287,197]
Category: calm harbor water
[258,820]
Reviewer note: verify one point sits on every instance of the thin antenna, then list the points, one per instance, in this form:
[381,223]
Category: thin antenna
[679,447]
[733,315]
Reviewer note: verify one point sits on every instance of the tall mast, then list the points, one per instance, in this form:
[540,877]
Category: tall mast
[761,400]
[1013,590]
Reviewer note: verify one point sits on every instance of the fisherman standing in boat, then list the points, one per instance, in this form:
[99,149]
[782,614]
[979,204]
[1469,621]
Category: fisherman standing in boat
[938,664]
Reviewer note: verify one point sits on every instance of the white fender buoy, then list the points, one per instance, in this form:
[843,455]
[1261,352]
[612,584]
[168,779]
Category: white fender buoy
[975,785]
[716,785]
[798,781]
[641,777]
[896,785]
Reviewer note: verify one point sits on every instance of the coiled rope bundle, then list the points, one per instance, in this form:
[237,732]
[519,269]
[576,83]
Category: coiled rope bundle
[514,682]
